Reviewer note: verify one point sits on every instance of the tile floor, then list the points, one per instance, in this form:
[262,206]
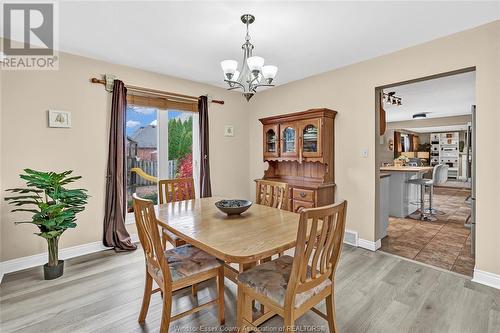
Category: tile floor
[445,243]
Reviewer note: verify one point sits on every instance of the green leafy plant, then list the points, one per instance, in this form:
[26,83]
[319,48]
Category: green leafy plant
[53,206]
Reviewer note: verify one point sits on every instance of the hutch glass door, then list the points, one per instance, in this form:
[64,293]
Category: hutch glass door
[289,138]
[310,131]
[271,141]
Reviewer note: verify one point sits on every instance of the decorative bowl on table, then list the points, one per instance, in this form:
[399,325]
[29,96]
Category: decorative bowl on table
[234,206]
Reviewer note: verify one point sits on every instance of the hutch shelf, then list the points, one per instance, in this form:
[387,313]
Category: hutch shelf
[299,148]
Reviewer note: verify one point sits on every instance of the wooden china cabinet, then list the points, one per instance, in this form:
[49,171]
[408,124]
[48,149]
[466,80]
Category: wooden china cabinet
[299,148]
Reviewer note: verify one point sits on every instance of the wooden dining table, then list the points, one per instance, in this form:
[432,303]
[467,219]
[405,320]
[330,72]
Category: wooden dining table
[244,239]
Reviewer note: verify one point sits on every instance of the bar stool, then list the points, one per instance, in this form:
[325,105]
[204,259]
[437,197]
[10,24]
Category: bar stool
[439,176]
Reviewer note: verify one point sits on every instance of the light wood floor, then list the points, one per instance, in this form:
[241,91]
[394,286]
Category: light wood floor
[375,292]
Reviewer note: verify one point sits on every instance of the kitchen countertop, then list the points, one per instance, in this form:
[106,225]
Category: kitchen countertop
[422,169]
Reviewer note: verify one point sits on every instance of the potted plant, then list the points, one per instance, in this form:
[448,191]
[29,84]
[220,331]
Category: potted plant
[54,209]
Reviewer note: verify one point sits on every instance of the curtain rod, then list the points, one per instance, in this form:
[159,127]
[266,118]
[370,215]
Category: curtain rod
[156,92]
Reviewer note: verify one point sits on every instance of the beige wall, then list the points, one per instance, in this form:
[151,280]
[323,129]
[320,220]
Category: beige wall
[28,142]
[236,161]
[351,91]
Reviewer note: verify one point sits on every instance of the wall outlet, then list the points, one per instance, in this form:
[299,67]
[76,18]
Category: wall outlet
[364,153]
[229,130]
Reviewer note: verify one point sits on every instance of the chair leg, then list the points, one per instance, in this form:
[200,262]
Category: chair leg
[166,312]
[240,299]
[148,287]
[220,291]
[288,321]
[330,313]
[244,310]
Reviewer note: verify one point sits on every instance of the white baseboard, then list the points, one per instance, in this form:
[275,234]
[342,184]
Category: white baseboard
[18,264]
[351,238]
[486,278]
[369,245]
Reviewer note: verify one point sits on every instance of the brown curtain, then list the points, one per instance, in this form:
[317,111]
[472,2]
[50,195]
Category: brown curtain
[115,233]
[416,142]
[397,144]
[205,186]
[412,142]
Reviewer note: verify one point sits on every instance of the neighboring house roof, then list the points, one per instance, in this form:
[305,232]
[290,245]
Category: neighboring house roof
[145,137]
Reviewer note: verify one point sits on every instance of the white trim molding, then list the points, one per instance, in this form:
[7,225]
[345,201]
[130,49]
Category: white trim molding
[369,245]
[486,278]
[351,237]
[18,264]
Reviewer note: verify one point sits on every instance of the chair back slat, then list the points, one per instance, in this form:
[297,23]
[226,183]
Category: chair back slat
[313,234]
[271,193]
[149,236]
[319,243]
[171,190]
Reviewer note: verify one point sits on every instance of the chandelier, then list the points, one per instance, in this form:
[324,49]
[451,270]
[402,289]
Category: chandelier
[252,74]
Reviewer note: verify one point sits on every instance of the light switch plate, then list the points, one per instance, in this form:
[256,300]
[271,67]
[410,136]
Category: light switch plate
[364,153]
[229,130]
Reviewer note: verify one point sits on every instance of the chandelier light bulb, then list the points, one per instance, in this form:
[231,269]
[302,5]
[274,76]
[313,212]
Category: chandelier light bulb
[229,66]
[269,72]
[255,63]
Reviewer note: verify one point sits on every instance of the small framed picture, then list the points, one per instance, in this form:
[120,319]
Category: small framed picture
[59,119]
[229,130]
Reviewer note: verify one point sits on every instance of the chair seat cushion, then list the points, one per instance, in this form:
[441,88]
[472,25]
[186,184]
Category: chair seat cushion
[271,280]
[188,260]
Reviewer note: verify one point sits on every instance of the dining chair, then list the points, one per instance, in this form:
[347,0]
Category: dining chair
[290,286]
[173,269]
[170,190]
[271,193]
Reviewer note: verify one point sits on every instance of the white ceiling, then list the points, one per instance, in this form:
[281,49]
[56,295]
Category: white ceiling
[436,129]
[443,97]
[189,39]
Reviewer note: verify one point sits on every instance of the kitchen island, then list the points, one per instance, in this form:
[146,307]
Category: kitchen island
[402,194]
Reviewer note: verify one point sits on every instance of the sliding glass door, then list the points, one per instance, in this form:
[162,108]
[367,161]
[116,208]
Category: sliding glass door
[161,144]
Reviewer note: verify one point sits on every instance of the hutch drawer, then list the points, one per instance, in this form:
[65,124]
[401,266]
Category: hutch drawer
[299,205]
[303,194]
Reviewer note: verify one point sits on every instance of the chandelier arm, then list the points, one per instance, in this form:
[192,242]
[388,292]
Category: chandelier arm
[262,85]
[252,80]
[235,82]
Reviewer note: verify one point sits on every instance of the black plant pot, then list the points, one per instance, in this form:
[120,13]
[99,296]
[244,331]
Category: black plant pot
[53,272]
